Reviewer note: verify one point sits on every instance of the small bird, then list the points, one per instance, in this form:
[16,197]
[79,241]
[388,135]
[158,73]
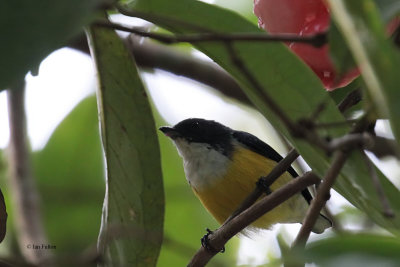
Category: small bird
[223,165]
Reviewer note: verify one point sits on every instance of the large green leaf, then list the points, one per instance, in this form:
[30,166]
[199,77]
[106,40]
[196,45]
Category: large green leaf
[133,212]
[340,52]
[353,250]
[70,177]
[30,30]
[283,76]
[364,31]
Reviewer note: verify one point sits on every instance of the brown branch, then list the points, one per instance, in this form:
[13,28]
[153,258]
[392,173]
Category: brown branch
[320,199]
[275,108]
[29,225]
[219,237]
[350,100]
[383,147]
[339,159]
[151,55]
[316,40]
[351,141]
[297,129]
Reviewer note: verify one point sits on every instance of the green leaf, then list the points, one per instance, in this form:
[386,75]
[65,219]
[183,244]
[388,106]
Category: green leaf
[31,30]
[291,84]
[354,250]
[133,213]
[70,179]
[364,31]
[339,52]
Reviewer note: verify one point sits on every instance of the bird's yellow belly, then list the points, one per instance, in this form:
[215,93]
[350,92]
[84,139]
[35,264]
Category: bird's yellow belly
[225,195]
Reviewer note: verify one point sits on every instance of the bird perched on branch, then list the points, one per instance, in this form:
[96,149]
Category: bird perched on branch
[223,165]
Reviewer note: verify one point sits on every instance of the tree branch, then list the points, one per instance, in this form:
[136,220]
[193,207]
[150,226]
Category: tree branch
[383,147]
[275,108]
[350,141]
[316,40]
[350,100]
[29,225]
[219,237]
[320,199]
[151,55]
[339,159]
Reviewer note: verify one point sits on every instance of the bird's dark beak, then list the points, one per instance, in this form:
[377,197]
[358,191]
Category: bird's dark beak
[170,132]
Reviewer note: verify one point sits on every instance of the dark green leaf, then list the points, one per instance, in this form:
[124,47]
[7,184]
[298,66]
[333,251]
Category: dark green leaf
[133,214]
[364,31]
[354,250]
[30,30]
[70,177]
[339,52]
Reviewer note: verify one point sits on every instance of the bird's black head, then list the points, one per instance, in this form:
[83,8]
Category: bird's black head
[209,132]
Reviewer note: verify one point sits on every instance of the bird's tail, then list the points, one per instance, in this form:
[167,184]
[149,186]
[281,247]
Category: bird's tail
[321,224]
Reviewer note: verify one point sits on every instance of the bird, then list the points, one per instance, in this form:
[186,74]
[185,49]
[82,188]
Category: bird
[222,167]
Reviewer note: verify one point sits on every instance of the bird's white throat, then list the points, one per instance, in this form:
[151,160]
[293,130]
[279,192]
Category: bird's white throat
[203,164]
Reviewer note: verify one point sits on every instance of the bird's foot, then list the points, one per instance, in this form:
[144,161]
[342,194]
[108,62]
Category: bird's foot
[263,185]
[205,242]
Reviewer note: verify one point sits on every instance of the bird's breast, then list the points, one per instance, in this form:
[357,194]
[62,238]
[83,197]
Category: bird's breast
[227,192]
[204,166]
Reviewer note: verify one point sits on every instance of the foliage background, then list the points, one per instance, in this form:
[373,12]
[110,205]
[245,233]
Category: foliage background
[69,169]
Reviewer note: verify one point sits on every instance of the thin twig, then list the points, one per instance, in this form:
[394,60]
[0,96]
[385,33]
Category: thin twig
[350,100]
[220,236]
[383,147]
[334,124]
[320,199]
[29,225]
[296,129]
[387,210]
[275,108]
[151,55]
[351,141]
[316,40]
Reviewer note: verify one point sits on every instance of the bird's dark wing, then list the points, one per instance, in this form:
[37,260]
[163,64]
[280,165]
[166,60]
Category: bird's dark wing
[258,146]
